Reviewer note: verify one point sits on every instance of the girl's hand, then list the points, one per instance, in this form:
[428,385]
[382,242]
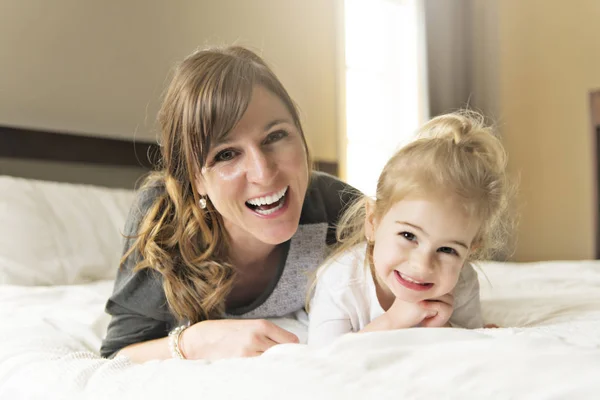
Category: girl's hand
[213,340]
[441,308]
[400,315]
[403,314]
[427,313]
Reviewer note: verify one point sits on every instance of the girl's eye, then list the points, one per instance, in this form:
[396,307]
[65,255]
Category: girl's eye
[448,250]
[408,236]
[225,155]
[275,136]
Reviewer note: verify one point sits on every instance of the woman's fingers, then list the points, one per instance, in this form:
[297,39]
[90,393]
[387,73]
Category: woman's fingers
[218,339]
[491,326]
[266,335]
[264,344]
[276,333]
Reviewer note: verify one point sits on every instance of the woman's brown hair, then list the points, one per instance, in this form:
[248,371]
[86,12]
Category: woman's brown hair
[187,245]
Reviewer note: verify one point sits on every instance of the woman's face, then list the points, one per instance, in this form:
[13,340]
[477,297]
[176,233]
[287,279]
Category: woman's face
[256,178]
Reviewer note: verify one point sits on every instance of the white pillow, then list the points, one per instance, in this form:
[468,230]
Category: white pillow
[59,233]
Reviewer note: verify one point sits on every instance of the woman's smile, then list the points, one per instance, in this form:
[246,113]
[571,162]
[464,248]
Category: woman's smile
[260,169]
[268,204]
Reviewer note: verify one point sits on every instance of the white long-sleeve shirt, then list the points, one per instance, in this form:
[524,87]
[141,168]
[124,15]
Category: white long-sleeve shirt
[345,299]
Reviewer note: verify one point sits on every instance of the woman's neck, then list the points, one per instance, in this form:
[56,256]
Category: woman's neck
[255,264]
[249,252]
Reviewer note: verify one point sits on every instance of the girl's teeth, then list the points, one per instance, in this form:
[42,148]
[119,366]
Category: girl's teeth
[406,278]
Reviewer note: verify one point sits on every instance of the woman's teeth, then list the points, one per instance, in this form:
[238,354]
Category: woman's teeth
[268,204]
[268,200]
[269,210]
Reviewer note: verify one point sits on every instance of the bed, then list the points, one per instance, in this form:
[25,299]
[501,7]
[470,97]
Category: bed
[59,248]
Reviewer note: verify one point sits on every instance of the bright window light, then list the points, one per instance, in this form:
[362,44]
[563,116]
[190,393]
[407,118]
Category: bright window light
[385,89]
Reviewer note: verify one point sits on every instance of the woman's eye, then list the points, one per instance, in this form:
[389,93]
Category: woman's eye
[408,236]
[448,250]
[275,136]
[225,155]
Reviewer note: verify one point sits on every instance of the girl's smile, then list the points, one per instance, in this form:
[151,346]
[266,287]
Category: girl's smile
[420,246]
[411,283]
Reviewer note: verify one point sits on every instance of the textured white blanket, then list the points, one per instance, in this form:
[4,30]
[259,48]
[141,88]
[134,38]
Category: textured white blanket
[549,348]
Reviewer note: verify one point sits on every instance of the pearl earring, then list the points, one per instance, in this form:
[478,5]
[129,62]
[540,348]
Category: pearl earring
[202,203]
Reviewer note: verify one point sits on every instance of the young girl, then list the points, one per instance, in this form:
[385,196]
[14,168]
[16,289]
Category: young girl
[403,259]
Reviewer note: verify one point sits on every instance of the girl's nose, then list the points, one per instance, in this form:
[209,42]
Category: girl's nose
[422,261]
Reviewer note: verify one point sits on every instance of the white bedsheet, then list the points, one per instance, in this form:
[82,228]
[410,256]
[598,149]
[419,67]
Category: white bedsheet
[49,338]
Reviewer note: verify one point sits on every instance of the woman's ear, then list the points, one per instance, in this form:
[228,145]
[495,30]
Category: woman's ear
[370,222]
[200,183]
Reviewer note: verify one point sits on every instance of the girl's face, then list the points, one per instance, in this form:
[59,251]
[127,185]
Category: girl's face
[257,177]
[420,247]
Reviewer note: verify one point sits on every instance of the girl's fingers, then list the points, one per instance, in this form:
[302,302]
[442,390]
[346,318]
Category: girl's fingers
[448,298]
[439,312]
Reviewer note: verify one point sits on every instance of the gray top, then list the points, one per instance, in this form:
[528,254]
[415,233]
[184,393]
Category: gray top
[138,305]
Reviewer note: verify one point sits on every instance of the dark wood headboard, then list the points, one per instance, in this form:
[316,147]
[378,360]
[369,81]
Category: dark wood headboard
[85,150]
[32,144]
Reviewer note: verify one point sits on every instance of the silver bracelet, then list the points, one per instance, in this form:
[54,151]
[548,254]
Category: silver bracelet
[174,337]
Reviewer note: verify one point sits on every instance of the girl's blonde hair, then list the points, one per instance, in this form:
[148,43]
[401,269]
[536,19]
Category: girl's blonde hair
[455,155]
[187,245]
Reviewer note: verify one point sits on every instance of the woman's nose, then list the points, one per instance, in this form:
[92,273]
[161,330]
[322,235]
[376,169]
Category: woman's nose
[260,167]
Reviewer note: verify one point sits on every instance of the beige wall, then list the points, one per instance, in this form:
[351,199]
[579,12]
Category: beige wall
[99,67]
[548,63]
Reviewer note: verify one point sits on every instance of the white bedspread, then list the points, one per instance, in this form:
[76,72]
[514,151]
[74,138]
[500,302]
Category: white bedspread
[49,338]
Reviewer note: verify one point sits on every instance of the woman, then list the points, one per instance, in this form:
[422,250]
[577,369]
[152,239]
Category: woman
[227,232]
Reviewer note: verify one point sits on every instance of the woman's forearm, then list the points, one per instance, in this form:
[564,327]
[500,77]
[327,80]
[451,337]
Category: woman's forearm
[157,349]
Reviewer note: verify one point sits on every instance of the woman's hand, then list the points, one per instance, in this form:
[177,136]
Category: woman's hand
[213,340]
